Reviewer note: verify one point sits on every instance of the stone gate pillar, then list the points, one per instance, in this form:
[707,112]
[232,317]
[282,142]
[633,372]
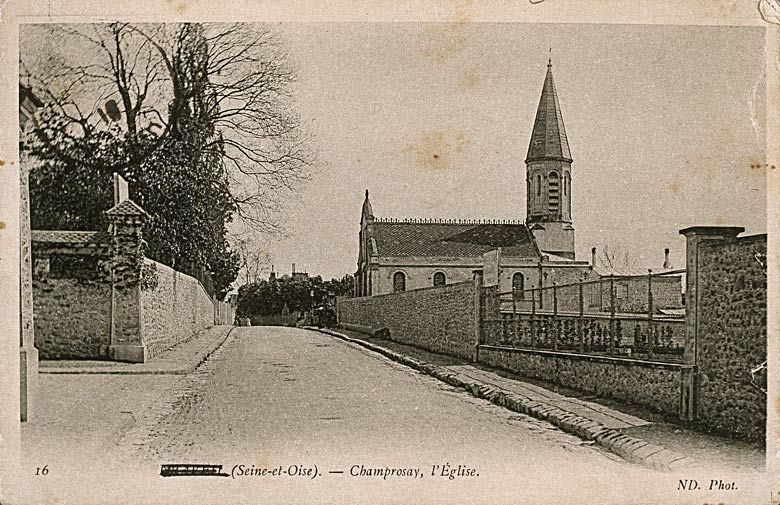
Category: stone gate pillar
[127,220]
[694,237]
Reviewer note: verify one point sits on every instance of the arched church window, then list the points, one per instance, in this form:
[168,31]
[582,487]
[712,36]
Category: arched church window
[554,192]
[399,282]
[538,185]
[439,279]
[518,285]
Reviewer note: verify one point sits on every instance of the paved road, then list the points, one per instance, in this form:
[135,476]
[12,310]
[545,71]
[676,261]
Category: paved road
[294,399]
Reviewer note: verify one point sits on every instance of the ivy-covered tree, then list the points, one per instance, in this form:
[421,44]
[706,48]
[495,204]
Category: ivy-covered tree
[190,115]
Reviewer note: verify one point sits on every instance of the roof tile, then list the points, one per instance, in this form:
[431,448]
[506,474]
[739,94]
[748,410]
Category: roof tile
[452,239]
[71,237]
[548,138]
[126,208]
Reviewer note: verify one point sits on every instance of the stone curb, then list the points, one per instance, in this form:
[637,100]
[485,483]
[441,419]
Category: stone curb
[173,369]
[632,449]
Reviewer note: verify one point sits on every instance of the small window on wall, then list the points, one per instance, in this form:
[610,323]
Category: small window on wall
[439,279]
[518,285]
[538,185]
[621,291]
[399,282]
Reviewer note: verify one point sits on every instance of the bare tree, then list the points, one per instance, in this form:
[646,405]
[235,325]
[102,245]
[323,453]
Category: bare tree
[254,261]
[616,257]
[130,77]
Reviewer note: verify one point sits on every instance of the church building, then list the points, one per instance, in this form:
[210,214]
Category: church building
[402,254]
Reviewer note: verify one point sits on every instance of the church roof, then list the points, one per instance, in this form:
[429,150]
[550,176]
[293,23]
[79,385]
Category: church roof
[548,139]
[427,239]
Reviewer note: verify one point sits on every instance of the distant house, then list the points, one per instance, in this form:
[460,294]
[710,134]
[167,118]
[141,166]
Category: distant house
[631,287]
[294,275]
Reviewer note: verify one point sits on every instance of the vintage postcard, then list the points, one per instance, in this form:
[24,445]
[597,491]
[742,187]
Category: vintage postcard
[436,252]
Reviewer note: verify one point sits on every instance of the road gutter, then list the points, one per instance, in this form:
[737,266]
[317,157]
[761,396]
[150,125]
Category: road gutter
[631,449]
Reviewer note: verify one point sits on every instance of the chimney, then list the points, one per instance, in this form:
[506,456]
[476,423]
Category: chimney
[592,257]
[666,258]
[120,189]
[293,271]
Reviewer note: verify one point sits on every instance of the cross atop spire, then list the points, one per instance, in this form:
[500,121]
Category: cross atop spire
[548,139]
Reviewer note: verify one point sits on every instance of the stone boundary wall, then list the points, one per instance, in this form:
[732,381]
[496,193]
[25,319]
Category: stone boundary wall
[174,310]
[97,296]
[438,319]
[732,335]
[72,318]
[659,386]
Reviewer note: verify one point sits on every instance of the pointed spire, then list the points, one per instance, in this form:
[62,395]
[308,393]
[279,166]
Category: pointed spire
[548,139]
[368,213]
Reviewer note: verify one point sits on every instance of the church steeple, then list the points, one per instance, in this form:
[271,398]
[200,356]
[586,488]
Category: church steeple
[548,175]
[548,139]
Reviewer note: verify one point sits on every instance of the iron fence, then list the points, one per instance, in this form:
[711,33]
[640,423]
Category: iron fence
[641,317]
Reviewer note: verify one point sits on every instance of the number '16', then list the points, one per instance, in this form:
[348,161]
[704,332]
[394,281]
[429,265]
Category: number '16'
[42,471]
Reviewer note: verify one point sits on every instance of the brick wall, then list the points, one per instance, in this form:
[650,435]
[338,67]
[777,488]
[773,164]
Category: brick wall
[173,310]
[437,319]
[72,317]
[732,335]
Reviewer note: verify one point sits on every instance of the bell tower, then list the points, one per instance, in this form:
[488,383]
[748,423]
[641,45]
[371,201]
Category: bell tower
[548,176]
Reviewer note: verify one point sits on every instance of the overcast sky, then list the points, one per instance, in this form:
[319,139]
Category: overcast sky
[434,119]
[664,123]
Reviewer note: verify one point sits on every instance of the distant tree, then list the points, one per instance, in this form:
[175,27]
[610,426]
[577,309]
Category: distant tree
[341,287]
[254,260]
[268,297]
[616,256]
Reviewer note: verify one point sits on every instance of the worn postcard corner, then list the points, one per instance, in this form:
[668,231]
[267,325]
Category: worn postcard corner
[432,253]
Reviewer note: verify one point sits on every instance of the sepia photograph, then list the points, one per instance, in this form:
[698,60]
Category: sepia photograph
[294,260]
